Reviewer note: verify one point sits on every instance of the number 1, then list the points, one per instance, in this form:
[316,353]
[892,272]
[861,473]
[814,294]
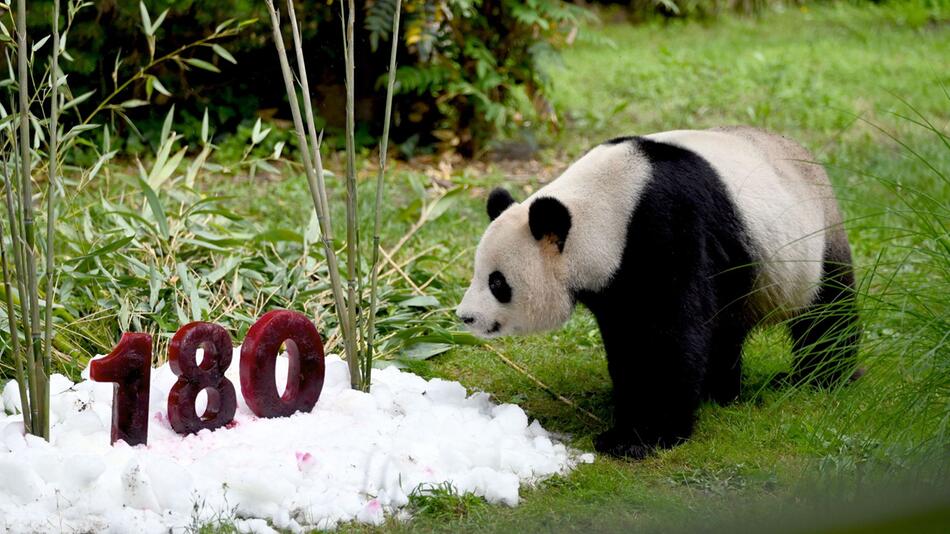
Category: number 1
[129,365]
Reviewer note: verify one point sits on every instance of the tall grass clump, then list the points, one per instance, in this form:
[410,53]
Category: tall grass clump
[898,414]
[358,334]
[916,288]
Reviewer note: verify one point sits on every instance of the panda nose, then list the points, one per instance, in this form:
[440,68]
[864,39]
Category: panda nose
[467,319]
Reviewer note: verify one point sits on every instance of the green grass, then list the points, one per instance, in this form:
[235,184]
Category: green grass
[823,76]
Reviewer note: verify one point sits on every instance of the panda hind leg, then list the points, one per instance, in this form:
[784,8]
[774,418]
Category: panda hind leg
[724,370]
[825,336]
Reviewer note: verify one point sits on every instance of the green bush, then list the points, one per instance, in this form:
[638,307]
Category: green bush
[476,66]
[470,69]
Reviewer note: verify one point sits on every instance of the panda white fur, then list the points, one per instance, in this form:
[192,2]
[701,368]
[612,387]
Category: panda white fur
[679,243]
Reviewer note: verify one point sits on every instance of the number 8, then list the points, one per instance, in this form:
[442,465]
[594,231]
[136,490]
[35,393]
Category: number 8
[194,377]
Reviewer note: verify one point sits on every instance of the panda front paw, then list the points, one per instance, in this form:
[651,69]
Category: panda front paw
[622,445]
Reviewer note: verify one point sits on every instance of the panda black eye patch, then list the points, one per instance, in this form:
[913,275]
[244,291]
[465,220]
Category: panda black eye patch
[499,287]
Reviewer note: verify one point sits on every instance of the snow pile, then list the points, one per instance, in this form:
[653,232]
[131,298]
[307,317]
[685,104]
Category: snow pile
[355,456]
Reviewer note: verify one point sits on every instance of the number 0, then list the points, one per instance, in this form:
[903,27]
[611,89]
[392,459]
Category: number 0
[259,358]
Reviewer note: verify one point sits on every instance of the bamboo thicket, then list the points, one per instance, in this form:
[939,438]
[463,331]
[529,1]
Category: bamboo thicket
[21,282]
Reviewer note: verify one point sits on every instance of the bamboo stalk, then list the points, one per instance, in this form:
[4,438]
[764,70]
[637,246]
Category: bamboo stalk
[51,205]
[15,338]
[308,111]
[352,250]
[349,333]
[40,419]
[377,223]
[316,191]
[17,240]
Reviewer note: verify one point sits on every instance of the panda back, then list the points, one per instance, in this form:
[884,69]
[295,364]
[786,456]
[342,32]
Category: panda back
[785,203]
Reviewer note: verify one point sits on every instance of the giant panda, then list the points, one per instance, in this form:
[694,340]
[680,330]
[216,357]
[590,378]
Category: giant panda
[680,243]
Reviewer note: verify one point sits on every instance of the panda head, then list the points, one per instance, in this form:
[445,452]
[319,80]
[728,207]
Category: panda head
[519,285]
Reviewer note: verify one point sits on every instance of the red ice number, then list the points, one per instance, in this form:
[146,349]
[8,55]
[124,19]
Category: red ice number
[129,365]
[259,356]
[194,377]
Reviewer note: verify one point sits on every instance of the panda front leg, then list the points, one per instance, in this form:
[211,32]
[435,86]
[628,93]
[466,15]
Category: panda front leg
[657,372]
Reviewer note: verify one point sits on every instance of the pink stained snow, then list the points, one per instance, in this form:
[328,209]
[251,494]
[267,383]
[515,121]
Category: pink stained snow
[356,456]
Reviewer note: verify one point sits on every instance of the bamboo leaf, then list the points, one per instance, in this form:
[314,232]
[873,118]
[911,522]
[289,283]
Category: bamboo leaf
[39,44]
[146,20]
[159,87]
[196,166]
[227,247]
[160,158]
[170,167]
[223,25]
[423,351]
[112,246]
[158,22]
[313,229]
[182,318]
[221,51]
[183,278]
[131,124]
[164,166]
[167,125]
[38,135]
[236,286]
[223,270]
[258,135]
[201,64]
[62,40]
[100,162]
[154,286]
[267,167]
[204,127]
[277,235]
[78,100]
[133,103]
[421,301]
[442,205]
[76,130]
[197,304]
[158,212]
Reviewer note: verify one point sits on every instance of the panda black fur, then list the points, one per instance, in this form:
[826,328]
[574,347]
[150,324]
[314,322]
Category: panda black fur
[679,243]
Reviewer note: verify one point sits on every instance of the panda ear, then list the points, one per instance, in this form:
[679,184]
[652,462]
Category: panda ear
[498,201]
[549,218]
